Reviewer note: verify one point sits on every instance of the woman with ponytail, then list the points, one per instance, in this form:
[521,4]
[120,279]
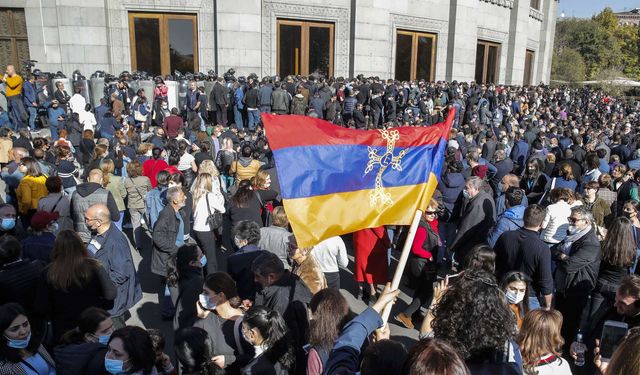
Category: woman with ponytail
[267,332]
[82,349]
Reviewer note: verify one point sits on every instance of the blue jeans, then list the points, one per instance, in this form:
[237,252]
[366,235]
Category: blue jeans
[237,118]
[33,112]
[254,119]
[17,113]
[534,303]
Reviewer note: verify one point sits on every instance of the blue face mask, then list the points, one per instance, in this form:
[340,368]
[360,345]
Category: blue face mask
[203,261]
[114,366]
[18,344]
[104,339]
[7,224]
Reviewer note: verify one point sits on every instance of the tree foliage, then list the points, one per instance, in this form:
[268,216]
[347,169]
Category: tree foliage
[603,44]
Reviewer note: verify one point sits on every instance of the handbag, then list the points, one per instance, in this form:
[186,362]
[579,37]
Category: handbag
[214,219]
[138,116]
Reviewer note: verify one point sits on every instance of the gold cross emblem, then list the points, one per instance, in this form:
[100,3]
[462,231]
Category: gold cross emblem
[378,197]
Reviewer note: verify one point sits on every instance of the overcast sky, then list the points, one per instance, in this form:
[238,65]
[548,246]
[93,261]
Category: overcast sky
[587,8]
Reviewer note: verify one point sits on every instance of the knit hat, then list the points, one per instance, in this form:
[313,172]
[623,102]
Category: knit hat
[480,171]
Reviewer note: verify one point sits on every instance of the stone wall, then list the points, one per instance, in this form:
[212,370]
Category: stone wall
[94,34]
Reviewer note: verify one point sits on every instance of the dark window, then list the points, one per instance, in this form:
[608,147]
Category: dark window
[535,4]
[305,48]
[14,45]
[528,68]
[487,62]
[163,43]
[415,55]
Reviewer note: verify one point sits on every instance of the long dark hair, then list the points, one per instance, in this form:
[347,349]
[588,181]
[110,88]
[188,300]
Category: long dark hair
[619,245]
[8,313]
[137,343]
[243,196]
[512,276]
[275,333]
[330,314]
[70,262]
[88,322]
[194,349]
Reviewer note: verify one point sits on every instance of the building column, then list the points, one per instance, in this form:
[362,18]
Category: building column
[463,40]
[517,45]
[547,36]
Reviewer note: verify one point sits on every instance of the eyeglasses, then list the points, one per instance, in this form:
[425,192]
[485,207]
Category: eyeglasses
[573,220]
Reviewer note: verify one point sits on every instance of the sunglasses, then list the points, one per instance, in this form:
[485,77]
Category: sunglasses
[573,220]
[431,212]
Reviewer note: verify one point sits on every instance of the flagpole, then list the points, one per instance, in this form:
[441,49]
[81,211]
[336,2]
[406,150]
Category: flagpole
[402,262]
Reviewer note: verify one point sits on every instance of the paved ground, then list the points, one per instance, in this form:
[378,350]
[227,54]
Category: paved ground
[147,312]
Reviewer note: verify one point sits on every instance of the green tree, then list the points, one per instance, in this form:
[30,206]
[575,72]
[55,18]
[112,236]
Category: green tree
[603,44]
[568,65]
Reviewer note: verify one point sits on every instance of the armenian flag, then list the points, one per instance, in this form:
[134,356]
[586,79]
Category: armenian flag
[335,180]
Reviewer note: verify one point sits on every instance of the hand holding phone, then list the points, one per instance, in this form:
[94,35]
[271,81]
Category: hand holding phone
[612,334]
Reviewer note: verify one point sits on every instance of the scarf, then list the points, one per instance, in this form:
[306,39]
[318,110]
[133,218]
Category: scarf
[571,238]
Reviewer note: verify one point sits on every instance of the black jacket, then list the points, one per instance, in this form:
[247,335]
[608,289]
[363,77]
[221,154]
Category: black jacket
[290,297]
[19,281]
[189,289]
[577,275]
[220,94]
[523,250]
[239,268]
[80,359]
[477,217]
[165,232]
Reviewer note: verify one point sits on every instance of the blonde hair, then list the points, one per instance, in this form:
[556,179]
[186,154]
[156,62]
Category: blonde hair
[540,335]
[107,167]
[207,166]
[259,180]
[144,148]
[279,217]
[201,187]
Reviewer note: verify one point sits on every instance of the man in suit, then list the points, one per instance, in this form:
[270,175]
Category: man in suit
[221,98]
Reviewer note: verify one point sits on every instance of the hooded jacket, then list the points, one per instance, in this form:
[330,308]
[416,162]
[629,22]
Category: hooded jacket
[511,219]
[86,195]
[451,185]
[244,168]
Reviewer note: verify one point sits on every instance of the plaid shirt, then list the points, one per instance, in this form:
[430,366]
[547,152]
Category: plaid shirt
[608,196]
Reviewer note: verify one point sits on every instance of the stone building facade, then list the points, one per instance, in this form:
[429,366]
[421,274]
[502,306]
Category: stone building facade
[631,17]
[503,41]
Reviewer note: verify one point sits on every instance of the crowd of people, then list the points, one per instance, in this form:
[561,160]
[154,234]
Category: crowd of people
[529,245]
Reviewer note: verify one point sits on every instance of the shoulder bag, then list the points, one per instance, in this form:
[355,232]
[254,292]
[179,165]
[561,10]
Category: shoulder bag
[214,219]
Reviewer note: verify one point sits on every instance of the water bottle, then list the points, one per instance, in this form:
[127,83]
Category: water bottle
[579,348]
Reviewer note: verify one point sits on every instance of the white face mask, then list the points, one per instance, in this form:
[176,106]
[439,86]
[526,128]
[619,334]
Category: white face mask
[572,229]
[514,297]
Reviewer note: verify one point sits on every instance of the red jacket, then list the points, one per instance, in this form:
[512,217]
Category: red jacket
[172,124]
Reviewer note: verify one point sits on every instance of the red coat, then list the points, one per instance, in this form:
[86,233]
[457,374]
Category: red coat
[371,255]
[151,167]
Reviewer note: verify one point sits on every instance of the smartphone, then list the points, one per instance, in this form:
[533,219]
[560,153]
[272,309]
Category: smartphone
[612,333]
